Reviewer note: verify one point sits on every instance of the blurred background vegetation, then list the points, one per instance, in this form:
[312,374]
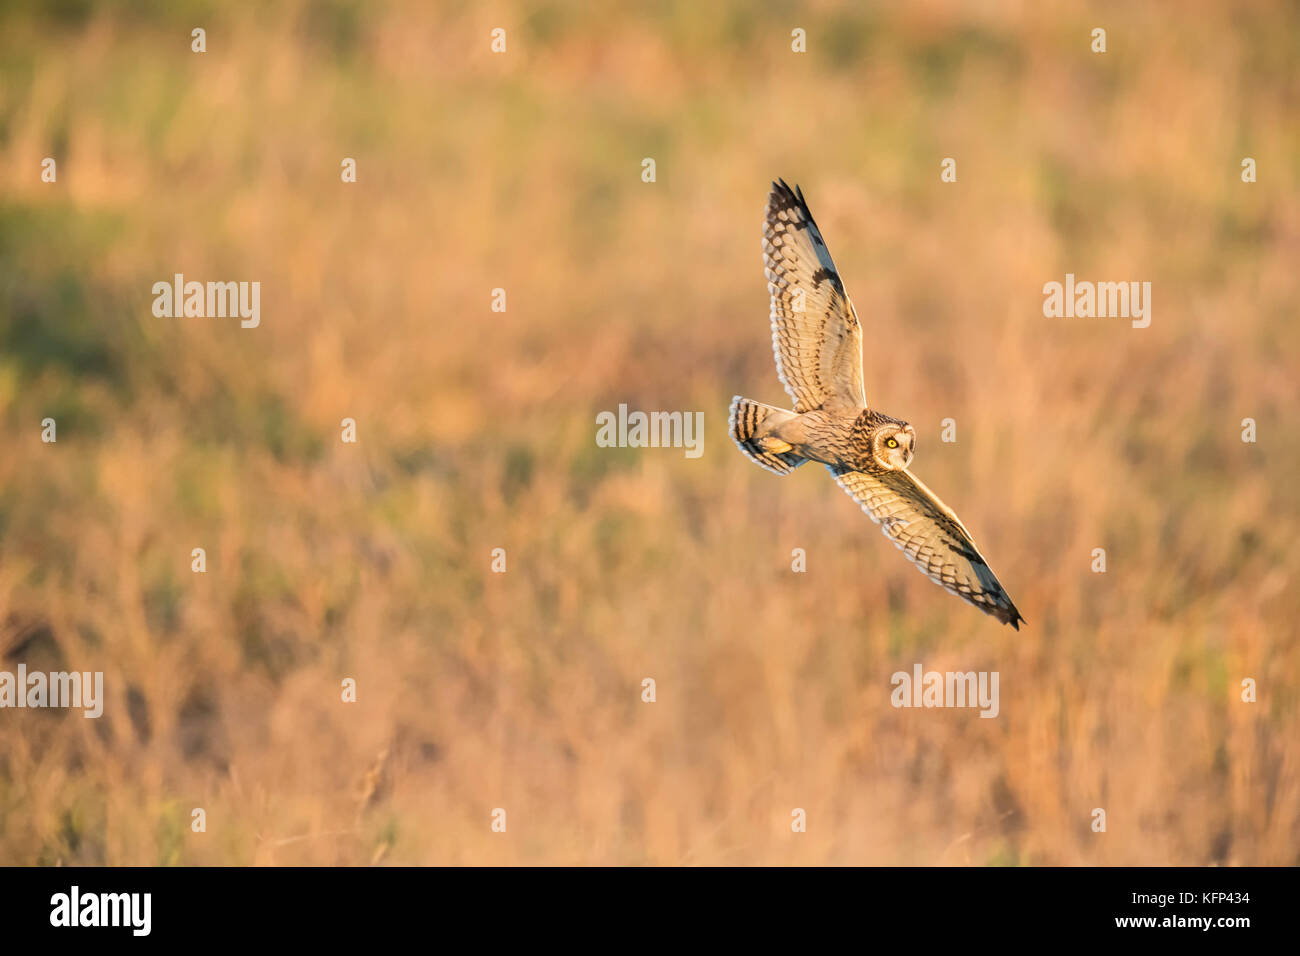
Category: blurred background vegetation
[522,690]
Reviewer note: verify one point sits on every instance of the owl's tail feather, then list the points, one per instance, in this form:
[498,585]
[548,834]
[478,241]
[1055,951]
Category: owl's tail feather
[752,425]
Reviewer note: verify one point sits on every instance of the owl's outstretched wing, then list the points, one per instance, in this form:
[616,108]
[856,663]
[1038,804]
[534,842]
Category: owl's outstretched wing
[931,536]
[815,330]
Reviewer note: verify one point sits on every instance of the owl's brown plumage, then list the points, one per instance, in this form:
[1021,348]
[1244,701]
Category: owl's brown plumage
[817,339]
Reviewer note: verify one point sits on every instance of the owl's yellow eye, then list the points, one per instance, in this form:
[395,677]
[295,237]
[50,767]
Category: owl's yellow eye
[892,443]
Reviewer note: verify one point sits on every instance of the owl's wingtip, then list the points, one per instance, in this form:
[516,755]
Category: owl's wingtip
[1005,612]
[783,189]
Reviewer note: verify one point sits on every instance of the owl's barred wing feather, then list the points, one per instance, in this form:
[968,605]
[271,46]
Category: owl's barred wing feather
[815,331]
[931,536]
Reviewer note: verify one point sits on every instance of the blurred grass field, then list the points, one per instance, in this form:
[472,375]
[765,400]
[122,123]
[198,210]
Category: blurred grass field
[522,690]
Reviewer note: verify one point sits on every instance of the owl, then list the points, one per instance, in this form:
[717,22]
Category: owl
[817,339]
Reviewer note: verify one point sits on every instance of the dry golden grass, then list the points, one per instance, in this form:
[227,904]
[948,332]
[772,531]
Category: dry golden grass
[521,690]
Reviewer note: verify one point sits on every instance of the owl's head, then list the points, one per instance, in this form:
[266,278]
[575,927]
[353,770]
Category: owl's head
[892,446]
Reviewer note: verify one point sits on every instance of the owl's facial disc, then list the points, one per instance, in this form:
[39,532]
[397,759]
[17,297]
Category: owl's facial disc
[894,447]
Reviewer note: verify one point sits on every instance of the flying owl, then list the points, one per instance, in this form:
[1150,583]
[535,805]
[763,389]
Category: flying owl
[818,344]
